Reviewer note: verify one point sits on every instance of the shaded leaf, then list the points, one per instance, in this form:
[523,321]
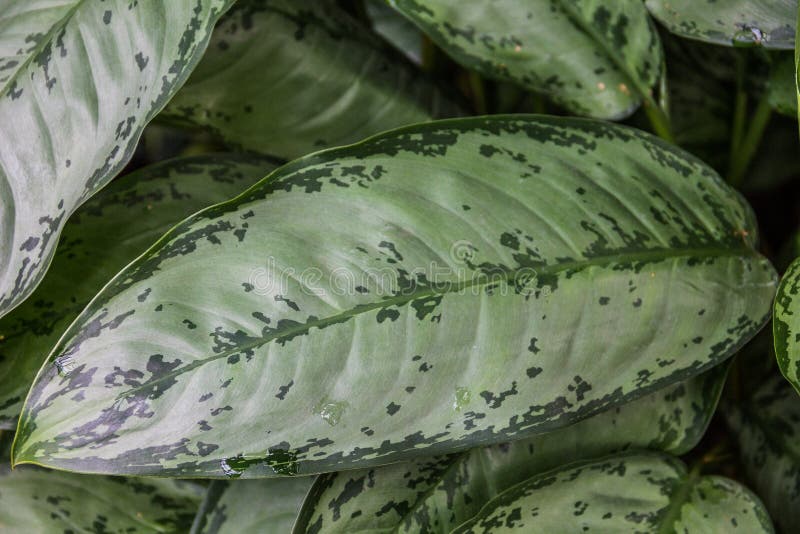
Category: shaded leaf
[768,428]
[82,82]
[768,23]
[287,77]
[633,492]
[786,324]
[438,494]
[243,506]
[107,233]
[396,29]
[594,58]
[40,500]
[519,284]
[781,88]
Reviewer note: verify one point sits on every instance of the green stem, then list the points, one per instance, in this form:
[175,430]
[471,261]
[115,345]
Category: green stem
[658,119]
[744,153]
[478,92]
[739,112]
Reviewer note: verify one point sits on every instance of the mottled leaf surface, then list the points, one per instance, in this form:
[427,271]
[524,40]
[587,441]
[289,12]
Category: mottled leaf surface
[473,280]
[593,57]
[251,506]
[288,77]
[438,494]
[628,493]
[78,82]
[40,500]
[768,430]
[101,237]
[768,23]
[786,324]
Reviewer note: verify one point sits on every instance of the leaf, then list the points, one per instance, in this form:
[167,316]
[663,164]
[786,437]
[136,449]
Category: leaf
[767,427]
[39,500]
[781,89]
[519,272]
[396,29]
[593,58]
[288,77]
[767,23]
[110,230]
[632,492]
[243,506]
[437,494]
[82,83]
[786,325]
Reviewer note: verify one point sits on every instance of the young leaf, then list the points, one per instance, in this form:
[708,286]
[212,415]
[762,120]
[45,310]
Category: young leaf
[287,77]
[245,506]
[768,23]
[594,58]
[78,82]
[544,270]
[630,492]
[108,232]
[768,427]
[437,494]
[786,324]
[40,500]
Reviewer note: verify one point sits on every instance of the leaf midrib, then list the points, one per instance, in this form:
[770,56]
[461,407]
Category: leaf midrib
[42,44]
[646,256]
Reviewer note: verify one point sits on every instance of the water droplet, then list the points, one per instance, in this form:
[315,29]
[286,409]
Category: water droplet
[64,364]
[228,470]
[331,411]
[462,398]
[748,36]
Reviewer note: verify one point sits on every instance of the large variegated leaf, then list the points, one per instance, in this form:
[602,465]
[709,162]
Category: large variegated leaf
[626,493]
[251,506]
[39,500]
[593,57]
[430,289]
[287,77]
[78,82]
[768,429]
[107,233]
[437,494]
[768,23]
[786,324]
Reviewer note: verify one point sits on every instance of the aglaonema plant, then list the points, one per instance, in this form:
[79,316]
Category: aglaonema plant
[412,266]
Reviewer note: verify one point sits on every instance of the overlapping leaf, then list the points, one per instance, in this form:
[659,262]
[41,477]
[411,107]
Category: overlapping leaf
[768,23]
[472,280]
[594,58]
[78,82]
[107,233]
[437,494]
[781,88]
[287,77]
[768,428]
[251,506]
[786,324]
[626,493]
[39,500]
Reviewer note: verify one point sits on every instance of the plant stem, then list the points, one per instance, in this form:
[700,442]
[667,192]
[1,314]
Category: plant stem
[478,92]
[658,120]
[739,112]
[743,155]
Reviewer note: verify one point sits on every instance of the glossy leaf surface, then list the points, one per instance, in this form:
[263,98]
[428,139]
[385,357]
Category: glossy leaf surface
[251,506]
[288,77]
[78,82]
[108,232]
[437,494]
[626,493]
[515,286]
[767,23]
[594,58]
[768,430]
[786,324]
